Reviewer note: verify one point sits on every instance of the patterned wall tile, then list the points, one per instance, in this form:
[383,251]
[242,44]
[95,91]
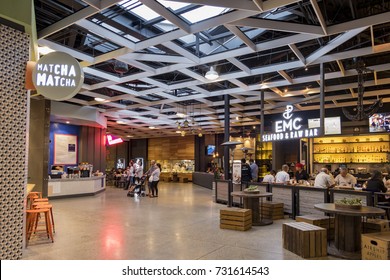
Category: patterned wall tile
[14,54]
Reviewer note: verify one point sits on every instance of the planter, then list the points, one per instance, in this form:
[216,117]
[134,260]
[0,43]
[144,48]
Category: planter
[252,192]
[346,206]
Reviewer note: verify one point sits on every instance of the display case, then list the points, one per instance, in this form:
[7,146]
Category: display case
[176,170]
[263,156]
[357,151]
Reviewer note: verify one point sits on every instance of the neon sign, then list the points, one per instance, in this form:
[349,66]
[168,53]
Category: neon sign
[112,140]
[289,128]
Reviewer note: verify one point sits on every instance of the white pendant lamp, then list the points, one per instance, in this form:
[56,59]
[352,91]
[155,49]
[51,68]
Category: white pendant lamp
[212,74]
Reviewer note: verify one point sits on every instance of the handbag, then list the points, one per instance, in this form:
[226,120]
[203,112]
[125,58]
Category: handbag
[151,178]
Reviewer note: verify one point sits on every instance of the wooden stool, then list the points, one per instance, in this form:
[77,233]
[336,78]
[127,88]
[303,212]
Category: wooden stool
[46,205]
[236,219]
[272,210]
[32,223]
[305,240]
[320,221]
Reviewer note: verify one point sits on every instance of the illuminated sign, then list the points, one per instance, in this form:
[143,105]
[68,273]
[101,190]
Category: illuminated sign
[58,76]
[289,128]
[113,140]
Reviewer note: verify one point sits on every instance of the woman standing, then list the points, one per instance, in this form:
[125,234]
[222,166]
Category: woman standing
[155,179]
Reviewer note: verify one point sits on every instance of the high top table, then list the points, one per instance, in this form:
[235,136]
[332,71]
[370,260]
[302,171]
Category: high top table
[251,201]
[348,223]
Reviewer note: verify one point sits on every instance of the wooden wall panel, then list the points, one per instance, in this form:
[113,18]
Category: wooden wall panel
[171,148]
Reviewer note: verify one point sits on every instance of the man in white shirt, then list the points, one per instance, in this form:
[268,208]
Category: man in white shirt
[324,179]
[345,179]
[282,176]
[269,178]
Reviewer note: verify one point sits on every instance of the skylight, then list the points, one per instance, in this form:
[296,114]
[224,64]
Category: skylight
[202,13]
[173,5]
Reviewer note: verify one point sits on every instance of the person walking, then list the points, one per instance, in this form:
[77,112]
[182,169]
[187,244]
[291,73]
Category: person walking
[155,179]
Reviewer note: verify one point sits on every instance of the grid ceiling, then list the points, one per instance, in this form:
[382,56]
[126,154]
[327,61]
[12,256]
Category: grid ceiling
[164,48]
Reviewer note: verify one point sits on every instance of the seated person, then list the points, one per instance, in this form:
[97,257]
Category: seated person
[375,184]
[300,173]
[282,176]
[324,179]
[345,179]
[270,178]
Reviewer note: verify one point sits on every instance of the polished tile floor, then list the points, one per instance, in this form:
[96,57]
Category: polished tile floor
[182,223]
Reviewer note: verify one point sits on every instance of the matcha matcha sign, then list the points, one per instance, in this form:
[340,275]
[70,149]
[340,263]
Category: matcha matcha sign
[58,76]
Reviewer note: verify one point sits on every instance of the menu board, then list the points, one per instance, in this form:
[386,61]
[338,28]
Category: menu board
[65,149]
[332,125]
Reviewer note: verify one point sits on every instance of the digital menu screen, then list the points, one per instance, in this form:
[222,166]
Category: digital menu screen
[379,122]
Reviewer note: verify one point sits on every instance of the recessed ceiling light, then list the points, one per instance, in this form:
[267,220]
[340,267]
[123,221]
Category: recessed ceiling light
[152,127]
[98,99]
[178,131]
[181,115]
[67,121]
[130,136]
[120,122]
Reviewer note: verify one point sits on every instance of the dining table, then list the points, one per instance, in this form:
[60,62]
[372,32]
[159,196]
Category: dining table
[348,227]
[253,201]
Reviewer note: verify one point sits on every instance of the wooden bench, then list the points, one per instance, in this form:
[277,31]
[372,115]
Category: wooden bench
[320,221]
[305,240]
[236,219]
[272,210]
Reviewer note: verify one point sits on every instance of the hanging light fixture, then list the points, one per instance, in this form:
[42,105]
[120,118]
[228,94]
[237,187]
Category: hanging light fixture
[212,74]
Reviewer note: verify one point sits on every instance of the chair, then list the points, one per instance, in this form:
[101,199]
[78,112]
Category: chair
[32,223]
[382,205]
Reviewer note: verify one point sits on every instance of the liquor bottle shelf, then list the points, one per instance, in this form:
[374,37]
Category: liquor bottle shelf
[339,153]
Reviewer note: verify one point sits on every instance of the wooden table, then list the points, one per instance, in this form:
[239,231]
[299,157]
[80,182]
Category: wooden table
[251,201]
[348,223]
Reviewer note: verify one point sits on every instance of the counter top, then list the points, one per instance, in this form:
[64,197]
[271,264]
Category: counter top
[78,179]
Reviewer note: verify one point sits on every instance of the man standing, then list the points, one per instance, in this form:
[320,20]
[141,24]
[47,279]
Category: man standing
[282,176]
[254,170]
[344,178]
[324,179]
[245,171]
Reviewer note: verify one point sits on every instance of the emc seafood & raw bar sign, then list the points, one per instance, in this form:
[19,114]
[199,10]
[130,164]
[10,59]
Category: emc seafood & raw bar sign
[289,128]
[58,76]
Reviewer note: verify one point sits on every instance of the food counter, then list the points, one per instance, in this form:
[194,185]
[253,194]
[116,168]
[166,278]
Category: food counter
[203,179]
[70,187]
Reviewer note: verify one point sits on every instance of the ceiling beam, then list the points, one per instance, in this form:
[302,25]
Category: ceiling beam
[298,53]
[320,17]
[236,31]
[285,76]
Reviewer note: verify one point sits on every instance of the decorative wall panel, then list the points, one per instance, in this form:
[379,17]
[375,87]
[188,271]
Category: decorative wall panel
[171,148]
[14,54]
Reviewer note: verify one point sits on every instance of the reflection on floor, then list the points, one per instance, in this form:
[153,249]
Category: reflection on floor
[182,223]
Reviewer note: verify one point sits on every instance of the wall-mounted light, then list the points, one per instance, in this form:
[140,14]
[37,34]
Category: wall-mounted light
[212,74]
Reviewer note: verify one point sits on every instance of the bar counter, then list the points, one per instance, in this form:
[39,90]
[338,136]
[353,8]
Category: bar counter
[72,187]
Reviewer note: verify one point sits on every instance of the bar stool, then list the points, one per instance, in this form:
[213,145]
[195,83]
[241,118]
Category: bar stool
[45,205]
[32,223]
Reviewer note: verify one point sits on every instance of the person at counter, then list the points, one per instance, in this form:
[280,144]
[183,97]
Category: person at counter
[282,176]
[300,173]
[344,178]
[211,166]
[245,171]
[270,178]
[375,184]
[254,170]
[324,179]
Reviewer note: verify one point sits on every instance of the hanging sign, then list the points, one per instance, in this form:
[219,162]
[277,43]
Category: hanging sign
[58,76]
[289,128]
